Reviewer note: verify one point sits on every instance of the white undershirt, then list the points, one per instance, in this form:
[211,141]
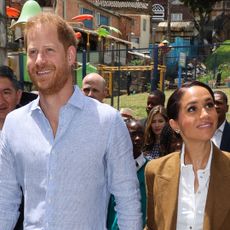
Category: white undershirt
[191,205]
[140,161]
[217,137]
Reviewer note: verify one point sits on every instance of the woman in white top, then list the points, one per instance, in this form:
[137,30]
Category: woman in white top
[190,189]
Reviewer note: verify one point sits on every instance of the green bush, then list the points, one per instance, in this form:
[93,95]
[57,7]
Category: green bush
[220,58]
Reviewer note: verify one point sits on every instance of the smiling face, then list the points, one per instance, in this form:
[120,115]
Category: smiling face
[48,63]
[9,98]
[197,119]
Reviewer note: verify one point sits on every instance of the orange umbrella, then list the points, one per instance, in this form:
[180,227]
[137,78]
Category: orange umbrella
[83,17]
[12,12]
[78,35]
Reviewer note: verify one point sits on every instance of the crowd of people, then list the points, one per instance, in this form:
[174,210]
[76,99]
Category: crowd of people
[70,161]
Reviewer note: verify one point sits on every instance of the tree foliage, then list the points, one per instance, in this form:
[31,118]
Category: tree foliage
[201,10]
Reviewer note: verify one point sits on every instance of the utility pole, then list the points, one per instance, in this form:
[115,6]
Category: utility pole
[3,33]
[169,20]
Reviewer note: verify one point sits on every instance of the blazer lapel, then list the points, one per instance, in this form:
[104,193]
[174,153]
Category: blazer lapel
[218,202]
[167,186]
[225,142]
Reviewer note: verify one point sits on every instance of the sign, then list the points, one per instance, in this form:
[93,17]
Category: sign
[158,12]
[182,59]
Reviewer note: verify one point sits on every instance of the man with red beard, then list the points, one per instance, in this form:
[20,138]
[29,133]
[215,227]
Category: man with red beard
[67,151]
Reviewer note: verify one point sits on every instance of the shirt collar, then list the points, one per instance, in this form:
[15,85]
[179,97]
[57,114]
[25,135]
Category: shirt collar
[221,128]
[208,166]
[76,100]
[140,161]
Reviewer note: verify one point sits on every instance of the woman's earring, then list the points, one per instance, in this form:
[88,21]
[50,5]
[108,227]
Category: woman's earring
[177,131]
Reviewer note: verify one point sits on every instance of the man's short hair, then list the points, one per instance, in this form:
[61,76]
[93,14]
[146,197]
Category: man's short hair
[160,94]
[224,96]
[7,72]
[65,32]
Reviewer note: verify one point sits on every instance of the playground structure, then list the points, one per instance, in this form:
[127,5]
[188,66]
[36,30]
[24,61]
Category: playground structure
[107,73]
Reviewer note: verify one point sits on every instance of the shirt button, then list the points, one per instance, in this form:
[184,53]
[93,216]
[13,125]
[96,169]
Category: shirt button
[190,227]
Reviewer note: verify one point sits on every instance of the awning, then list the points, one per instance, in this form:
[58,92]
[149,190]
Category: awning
[94,33]
[139,54]
[177,25]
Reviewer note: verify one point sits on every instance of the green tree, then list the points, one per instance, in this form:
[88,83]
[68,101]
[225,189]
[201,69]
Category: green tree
[201,10]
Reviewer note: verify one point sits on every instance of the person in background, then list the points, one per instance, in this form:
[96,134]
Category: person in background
[27,97]
[221,137]
[128,82]
[155,123]
[69,153]
[10,92]
[190,189]
[126,113]
[94,85]
[136,131]
[218,78]
[156,97]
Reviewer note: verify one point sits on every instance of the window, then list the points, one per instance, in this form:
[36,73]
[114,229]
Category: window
[104,20]
[218,5]
[144,24]
[176,17]
[135,40]
[87,23]
[227,5]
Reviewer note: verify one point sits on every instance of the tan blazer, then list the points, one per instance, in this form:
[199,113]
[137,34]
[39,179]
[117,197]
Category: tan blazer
[162,181]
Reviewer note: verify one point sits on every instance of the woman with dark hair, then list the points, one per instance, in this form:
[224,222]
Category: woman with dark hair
[155,123]
[190,189]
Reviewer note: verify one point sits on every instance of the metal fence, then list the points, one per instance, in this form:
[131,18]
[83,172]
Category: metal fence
[134,71]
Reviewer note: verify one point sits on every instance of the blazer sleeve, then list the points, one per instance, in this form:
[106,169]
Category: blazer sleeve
[149,180]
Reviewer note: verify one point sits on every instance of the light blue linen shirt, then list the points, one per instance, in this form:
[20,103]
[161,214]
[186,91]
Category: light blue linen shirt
[67,179]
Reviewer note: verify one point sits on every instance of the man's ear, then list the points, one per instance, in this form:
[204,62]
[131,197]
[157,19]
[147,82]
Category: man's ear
[19,95]
[71,55]
[174,125]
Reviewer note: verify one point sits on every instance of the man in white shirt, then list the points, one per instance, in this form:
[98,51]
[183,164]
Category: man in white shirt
[67,152]
[221,137]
